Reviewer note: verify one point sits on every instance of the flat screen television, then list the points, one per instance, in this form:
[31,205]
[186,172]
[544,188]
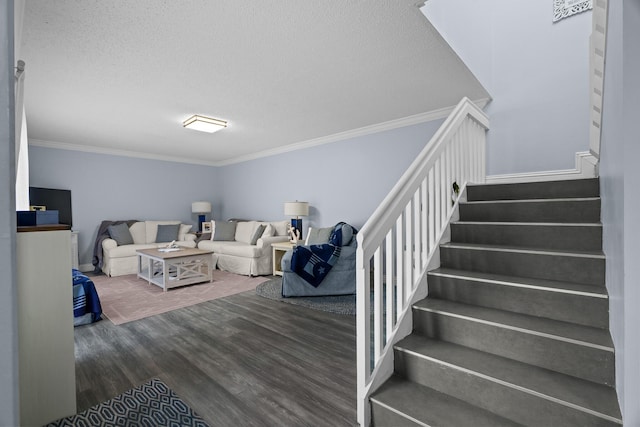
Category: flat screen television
[52,199]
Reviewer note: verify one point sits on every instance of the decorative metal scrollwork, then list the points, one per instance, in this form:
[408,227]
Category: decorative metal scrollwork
[565,8]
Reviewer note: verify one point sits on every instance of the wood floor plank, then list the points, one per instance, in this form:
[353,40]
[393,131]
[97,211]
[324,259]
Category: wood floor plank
[238,360]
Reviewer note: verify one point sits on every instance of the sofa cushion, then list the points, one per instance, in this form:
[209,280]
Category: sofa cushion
[151,229]
[223,230]
[167,233]
[120,233]
[240,250]
[244,231]
[128,250]
[280,227]
[139,232]
[257,233]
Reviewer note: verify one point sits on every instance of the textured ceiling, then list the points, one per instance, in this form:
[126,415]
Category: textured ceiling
[121,76]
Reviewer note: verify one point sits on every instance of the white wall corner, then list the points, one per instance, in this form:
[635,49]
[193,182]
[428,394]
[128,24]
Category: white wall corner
[586,167]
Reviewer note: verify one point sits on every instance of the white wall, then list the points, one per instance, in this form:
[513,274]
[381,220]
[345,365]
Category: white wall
[620,178]
[342,181]
[8,316]
[536,72]
[105,187]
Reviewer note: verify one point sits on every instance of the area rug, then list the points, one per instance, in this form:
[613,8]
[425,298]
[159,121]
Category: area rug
[343,304]
[151,404]
[127,298]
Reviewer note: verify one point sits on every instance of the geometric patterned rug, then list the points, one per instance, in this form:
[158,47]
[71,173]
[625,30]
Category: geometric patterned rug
[151,404]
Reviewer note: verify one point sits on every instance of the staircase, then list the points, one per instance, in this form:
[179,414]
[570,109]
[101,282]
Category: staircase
[515,328]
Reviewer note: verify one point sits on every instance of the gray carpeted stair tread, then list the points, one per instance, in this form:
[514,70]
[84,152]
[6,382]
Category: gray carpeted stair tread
[583,335]
[522,249]
[531,201]
[564,389]
[421,405]
[551,285]
[563,236]
[569,210]
[550,189]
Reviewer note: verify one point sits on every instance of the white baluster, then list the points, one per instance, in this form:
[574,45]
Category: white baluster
[389,282]
[377,308]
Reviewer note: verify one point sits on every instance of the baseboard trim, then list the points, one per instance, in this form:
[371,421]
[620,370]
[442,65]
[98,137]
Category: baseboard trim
[586,167]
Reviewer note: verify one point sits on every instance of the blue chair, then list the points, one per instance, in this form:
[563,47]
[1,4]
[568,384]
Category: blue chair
[341,280]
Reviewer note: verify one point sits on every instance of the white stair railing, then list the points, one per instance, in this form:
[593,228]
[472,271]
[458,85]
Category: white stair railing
[398,242]
[597,50]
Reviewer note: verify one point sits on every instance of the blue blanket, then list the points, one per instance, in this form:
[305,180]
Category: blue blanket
[314,262]
[86,303]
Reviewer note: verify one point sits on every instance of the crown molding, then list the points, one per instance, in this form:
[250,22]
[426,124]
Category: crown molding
[341,136]
[115,152]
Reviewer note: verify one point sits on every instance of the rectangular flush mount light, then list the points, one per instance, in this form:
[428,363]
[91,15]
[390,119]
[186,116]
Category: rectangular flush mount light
[204,124]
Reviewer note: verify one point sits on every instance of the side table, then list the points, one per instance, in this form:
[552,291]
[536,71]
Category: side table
[278,251]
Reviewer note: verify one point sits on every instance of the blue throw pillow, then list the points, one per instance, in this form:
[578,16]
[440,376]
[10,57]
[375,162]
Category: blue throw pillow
[121,234]
[167,233]
[342,234]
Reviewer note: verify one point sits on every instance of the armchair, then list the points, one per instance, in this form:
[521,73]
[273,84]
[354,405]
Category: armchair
[341,280]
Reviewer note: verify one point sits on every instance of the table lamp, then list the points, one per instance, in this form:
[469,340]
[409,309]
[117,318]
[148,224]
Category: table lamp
[296,209]
[201,208]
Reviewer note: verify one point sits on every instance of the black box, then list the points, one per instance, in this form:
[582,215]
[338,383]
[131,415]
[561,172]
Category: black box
[30,218]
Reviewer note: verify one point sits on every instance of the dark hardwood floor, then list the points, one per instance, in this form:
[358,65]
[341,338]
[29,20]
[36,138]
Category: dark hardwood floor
[242,360]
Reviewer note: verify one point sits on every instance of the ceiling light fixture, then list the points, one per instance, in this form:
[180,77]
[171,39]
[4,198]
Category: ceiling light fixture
[204,124]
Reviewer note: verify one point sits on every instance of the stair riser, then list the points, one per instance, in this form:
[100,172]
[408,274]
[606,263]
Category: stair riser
[501,399]
[535,190]
[570,237]
[568,211]
[575,269]
[382,416]
[583,310]
[589,363]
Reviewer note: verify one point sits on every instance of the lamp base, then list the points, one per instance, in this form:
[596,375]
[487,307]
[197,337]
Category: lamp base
[297,224]
[200,221]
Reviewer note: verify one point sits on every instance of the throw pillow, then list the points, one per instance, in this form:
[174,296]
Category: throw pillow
[257,234]
[167,233]
[121,234]
[269,230]
[182,232]
[346,235]
[223,230]
[318,236]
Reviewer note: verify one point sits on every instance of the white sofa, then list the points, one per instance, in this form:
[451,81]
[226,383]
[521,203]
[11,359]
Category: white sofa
[239,256]
[120,260]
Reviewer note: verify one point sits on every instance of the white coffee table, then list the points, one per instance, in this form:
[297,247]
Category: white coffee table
[185,266]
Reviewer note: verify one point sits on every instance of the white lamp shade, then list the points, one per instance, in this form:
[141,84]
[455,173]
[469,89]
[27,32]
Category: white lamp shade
[200,207]
[296,208]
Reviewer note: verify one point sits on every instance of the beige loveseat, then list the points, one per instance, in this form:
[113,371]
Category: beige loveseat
[120,260]
[237,255]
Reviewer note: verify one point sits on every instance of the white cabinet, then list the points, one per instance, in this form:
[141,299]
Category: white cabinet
[45,326]
[74,250]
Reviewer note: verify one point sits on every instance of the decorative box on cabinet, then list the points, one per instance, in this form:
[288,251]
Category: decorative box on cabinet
[45,325]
